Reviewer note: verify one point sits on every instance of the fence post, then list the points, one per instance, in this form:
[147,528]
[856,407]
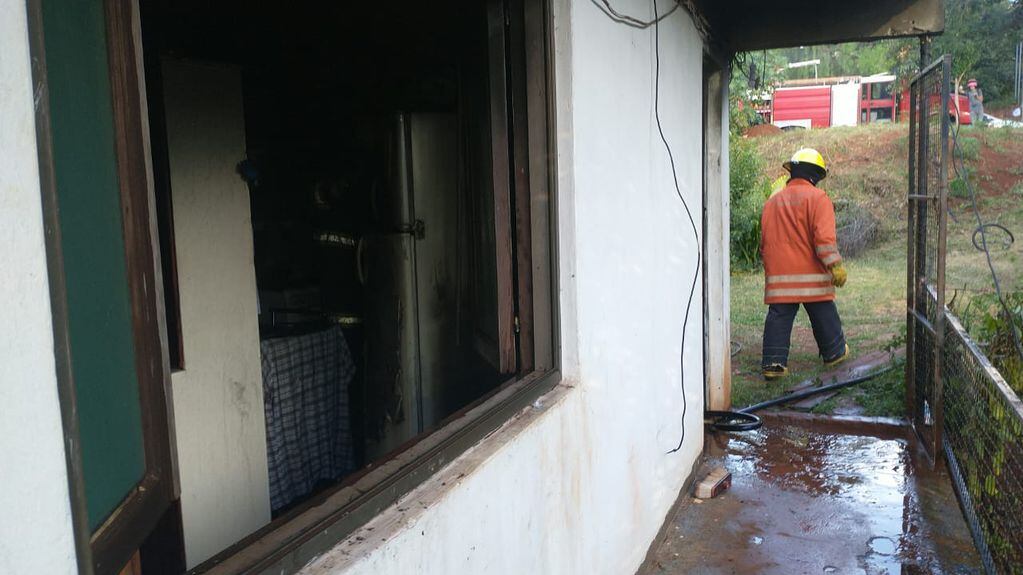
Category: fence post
[938,402]
[911,206]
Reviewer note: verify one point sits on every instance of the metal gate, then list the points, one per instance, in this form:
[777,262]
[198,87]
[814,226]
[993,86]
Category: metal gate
[960,406]
[925,274]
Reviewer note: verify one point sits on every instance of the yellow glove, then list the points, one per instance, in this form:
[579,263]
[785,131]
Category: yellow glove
[778,185]
[838,275]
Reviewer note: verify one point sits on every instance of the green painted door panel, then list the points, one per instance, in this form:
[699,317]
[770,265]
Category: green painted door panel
[99,309]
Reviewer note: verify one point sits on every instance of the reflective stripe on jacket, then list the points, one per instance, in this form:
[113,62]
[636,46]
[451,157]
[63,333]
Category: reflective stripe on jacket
[798,244]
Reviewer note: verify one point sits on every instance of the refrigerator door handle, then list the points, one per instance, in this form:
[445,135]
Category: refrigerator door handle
[360,271]
[416,229]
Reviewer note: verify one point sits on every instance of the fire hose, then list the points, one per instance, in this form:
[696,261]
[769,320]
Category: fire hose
[745,420]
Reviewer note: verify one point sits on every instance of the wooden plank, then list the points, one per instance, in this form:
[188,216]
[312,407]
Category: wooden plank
[541,184]
[519,141]
[501,169]
[717,329]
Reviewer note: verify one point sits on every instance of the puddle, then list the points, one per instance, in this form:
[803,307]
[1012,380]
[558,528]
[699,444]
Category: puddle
[882,546]
[803,501]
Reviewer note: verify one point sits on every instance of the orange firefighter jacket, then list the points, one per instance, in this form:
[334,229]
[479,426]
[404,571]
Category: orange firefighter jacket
[798,244]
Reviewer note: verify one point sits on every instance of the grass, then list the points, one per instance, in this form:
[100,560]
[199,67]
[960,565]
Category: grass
[967,269]
[884,396]
[868,166]
[871,306]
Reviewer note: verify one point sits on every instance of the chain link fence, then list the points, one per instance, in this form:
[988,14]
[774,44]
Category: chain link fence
[983,445]
[960,405]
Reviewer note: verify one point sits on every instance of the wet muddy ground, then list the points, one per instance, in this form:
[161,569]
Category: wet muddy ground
[805,501]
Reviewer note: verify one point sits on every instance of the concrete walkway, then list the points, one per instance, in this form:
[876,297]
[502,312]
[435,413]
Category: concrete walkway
[806,501]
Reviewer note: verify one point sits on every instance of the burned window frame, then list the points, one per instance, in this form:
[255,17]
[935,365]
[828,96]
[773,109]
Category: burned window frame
[523,139]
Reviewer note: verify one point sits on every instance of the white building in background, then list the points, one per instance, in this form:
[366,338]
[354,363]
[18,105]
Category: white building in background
[132,432]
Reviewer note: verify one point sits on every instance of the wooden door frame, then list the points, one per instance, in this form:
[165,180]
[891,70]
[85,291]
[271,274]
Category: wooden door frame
[114,542]
[716,258]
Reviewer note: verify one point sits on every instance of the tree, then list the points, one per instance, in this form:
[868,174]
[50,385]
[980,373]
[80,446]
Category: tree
[981,36]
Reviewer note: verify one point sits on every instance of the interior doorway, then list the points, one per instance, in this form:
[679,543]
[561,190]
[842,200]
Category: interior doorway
[850,111]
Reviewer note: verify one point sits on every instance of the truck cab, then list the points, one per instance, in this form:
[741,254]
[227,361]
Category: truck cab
[877,99]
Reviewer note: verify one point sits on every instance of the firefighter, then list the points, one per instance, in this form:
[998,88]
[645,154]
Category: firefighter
[801,265]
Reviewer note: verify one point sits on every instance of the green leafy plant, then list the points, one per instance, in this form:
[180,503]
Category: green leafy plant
[987,323]
[749,189]
[970,148]
[958,188]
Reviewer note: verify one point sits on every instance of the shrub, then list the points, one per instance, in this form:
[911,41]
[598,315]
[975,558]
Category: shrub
[749,189]
[987,322]
[856,227]
[957,187]
[741,115]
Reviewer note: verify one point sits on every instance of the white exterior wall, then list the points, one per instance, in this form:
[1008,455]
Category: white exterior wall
[218,397]
[579,484]
[35,511]
[583,483]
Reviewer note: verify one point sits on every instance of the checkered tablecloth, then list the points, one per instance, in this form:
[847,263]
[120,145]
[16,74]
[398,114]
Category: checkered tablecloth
[308,426]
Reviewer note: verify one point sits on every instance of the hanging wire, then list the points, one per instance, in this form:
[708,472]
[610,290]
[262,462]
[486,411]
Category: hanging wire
[689,214]
[607,9]
[959,167]
[620,18]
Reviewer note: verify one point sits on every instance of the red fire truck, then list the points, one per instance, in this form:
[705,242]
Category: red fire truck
[844,101]
[841,101]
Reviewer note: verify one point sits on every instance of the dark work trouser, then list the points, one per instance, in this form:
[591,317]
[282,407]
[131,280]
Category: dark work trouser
[827,330]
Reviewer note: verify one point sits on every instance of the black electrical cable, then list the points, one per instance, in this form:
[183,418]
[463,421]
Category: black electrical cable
[733,420]
[610,12]
[763,72]
[689,213]
[981,229]
[980,232]
[739,63]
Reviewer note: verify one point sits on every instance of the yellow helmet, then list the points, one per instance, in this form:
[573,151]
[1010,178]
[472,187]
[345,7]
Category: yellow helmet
[807,156]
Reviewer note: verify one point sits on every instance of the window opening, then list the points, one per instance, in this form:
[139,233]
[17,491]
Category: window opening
[881,90]
[373,138]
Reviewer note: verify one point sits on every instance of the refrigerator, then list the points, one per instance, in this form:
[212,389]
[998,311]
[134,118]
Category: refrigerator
[407,266]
